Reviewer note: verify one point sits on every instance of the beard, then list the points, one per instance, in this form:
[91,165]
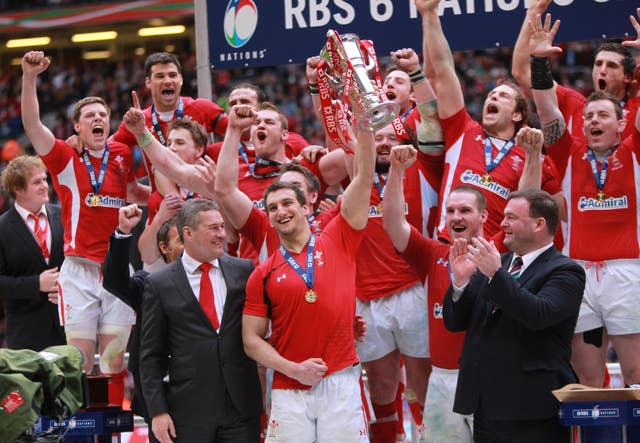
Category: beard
[382,167]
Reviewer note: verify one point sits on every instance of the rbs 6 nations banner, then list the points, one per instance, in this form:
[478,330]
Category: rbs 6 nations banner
[275,32]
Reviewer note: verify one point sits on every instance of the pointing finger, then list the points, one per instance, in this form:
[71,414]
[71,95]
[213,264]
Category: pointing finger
[135,100]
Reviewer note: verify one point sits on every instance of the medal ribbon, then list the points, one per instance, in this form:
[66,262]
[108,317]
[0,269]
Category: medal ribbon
[242,152]
[96,184]
[155,120]
[264,162]
[308,275]
[599,176]
[379,186]
[491,164]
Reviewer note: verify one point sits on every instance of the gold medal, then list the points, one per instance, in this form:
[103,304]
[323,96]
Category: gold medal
[95,201]
[311,296]
[486,179]
[600,197]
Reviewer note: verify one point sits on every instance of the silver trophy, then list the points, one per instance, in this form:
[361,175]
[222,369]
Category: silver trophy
[364,97]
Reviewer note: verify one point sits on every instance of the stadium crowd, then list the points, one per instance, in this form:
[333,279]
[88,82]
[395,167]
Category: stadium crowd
[283,260]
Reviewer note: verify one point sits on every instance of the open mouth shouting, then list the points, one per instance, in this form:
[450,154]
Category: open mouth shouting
[492,108]
[596,132]
[168,93]
[602,84]
[261,135]
[98,130]
[390,95]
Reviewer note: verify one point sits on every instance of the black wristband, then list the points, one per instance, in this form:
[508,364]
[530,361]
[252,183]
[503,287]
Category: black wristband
[313,88]
[541,77]
[417,75]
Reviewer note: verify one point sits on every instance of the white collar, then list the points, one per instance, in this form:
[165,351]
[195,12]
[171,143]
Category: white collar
[24,213]
[530,257]
[191,265]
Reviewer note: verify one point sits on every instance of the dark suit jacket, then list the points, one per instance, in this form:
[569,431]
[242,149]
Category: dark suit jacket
[116,280]
[206,367]
[514,357]
[32,322]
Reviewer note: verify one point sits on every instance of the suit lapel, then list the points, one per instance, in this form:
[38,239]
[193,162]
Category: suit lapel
[539,261]
[529,272]
[25,235]
[183,288]
[228,274]
[506,260]
[57,233]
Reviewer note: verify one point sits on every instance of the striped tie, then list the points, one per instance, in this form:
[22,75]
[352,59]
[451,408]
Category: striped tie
[41,234]
[516,267]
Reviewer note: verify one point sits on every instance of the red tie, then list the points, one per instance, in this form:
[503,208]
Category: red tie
[41,234]
[207,300]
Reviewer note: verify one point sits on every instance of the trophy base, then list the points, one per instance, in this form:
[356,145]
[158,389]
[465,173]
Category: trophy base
[380,115]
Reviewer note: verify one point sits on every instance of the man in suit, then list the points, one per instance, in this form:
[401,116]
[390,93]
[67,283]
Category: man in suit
[31,239]
[519,312]
[192,312]
[130,289]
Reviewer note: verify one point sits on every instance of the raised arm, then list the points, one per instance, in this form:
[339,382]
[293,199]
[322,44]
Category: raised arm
[429,131]
[137,192]
[167,162]
[520,68]
[355,200]
[426,55]
[635,44]
[34,63]
[234,203]
[393,219]
[450,98]
[148,242]
[543,89]
[531,139]
[115,270]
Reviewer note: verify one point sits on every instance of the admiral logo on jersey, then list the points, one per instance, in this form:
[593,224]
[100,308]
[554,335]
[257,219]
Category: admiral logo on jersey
[470,177]
[105,201]
[376,210]
[611,203]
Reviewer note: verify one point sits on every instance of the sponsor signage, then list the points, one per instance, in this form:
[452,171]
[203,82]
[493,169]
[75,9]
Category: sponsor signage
[275,32]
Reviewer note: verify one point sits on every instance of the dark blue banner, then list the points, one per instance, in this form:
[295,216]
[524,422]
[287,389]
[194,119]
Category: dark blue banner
[276,32]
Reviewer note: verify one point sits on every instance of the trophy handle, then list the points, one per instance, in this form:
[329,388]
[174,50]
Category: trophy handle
[369,62]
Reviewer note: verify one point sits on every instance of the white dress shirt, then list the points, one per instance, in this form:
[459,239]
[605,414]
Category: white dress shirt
[44,224]
[192,268]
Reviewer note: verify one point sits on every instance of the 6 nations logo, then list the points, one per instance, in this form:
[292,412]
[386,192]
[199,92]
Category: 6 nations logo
[240,21]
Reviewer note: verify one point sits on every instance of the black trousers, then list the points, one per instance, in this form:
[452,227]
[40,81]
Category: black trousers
[239,430]
[519,431]
[230,427]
